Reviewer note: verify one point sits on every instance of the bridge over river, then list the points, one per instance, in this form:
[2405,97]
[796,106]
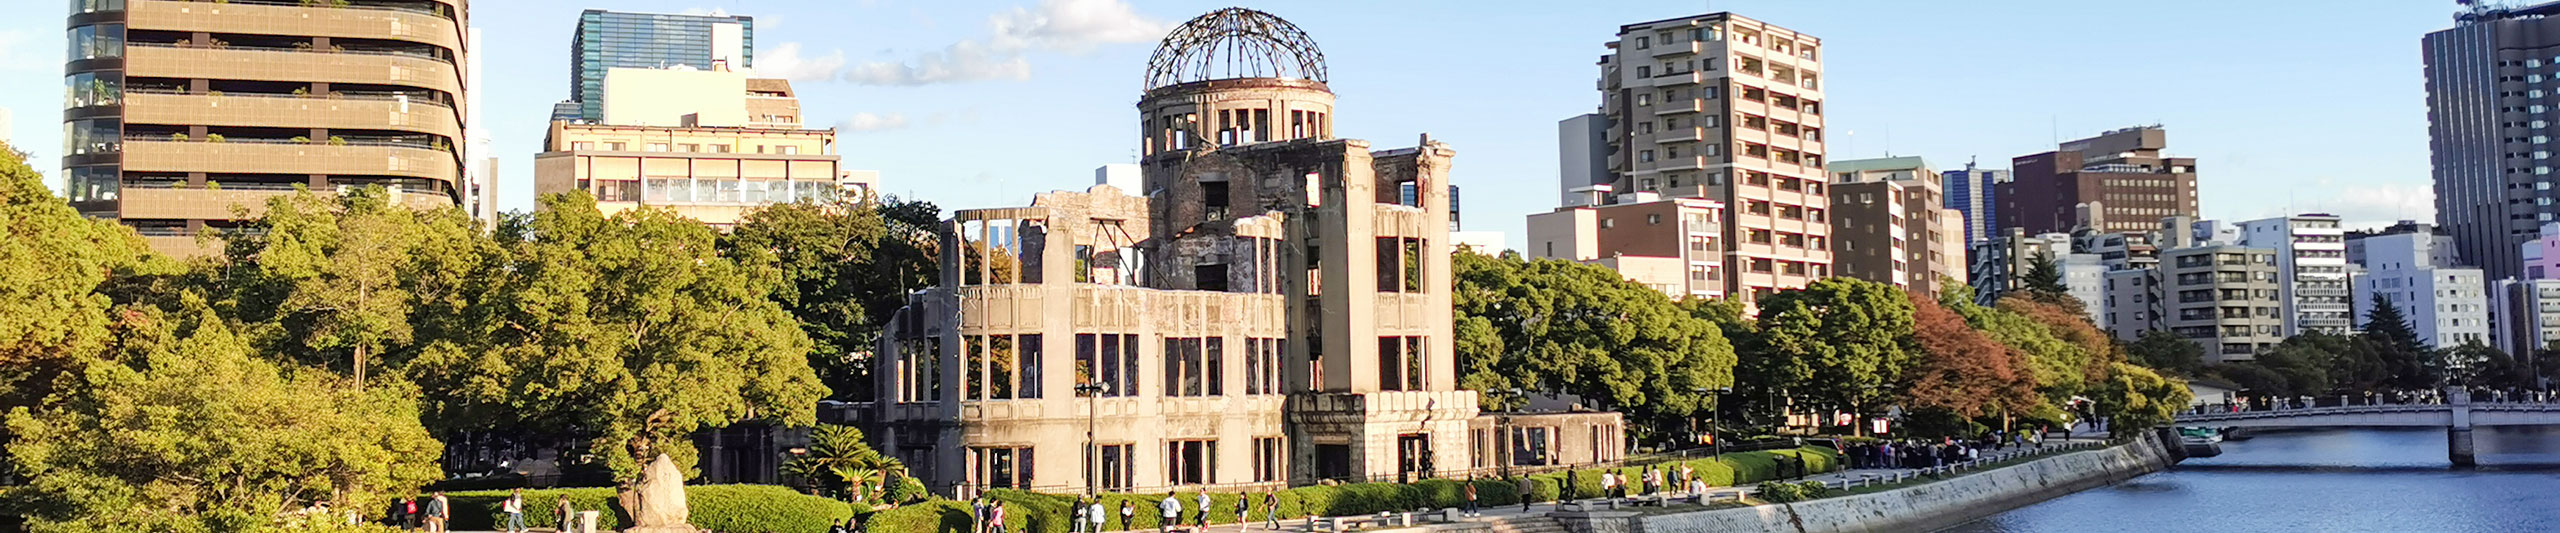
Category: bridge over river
[2458,414]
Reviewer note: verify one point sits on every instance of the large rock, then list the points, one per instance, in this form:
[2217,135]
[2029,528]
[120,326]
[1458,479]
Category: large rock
[657,504]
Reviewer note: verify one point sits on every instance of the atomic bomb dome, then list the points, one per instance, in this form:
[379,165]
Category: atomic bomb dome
[1235,43]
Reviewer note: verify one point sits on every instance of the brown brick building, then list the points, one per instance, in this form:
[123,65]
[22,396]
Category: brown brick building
[2121,173]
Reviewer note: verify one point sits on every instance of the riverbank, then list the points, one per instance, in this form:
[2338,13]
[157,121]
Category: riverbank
[1923,507]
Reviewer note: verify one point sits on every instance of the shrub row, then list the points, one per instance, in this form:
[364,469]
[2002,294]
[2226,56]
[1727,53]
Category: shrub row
[1049,513]
[741,508]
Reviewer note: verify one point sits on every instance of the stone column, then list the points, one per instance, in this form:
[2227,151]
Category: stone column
[2457,445]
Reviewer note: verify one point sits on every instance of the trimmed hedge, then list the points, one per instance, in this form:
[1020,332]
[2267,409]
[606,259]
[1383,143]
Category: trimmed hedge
[1049,513]
[742,508]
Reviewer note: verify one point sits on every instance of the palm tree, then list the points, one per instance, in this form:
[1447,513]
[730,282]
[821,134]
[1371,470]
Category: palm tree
[840,462]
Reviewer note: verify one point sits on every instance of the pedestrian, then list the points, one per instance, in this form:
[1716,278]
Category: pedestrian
[978,514]
[1244,510]
[995,516]
[1471,496]
[1075,517]
[1128,516]
[1569,491]
[1095,514]
[1203,521]
[1523,489]
[1687,473]
[437,513]
[513,507]
[1170,511]
[1608,484]
[1271,509]
[398,511]
[567,513]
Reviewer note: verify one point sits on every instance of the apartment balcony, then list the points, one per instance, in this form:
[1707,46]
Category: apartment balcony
[267,64]
[1690,105]
[1680,135]
[1684,48]
[289,158]
[1680,163]
[365,112]
[270,19]
[210,203]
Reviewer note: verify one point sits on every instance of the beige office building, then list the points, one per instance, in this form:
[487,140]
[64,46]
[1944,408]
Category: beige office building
[1671,245]
[1271,311]
[177,113]
[1728,109]
[708,145]
[1888,225]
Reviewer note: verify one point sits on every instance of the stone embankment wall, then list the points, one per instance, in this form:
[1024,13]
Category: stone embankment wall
[1925,507]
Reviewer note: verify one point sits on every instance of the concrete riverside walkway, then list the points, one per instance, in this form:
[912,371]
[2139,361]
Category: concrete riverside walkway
[1497,512]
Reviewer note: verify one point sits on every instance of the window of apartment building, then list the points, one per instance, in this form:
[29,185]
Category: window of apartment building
[1118,466]
[1262,365]
[1653,219]
[1400,264]
[582,145]
[1644,128]
[1191,366]
[1792,268]
[719,148]
[1670,96]
[657,147]
[1270,460]
[789,149]
[616,147]
[1813,214]
[689,147]
[1400,363]
[1672,152]
[1759,236]
[1003,367]
[1644,156]
[1697,272]
[1000,467]
[1644,99]
[1644,42]
[1110,359]
[1711,150]
[1791,240]
[1760,265]
[1191,462]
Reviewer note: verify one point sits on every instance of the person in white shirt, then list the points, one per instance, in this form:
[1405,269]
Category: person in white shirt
[514,508]
[1171,509]
[1095,514]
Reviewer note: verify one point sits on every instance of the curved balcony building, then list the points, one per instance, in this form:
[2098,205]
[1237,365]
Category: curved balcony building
[233,102]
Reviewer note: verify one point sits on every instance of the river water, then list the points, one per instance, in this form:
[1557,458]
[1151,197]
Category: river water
[2343,480]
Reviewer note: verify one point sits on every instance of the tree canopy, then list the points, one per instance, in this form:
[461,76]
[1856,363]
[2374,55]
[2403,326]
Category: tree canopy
[1570,328]
[847,265]
[1839,344]
[1963,371]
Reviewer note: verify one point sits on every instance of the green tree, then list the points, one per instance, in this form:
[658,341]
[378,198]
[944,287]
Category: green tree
[2162,350]
[2306,362]
[2477,365]
[2135,398]
[183,430]
[847,265]
[1850,338]
[56,271]
[2043,283]
[630,330]
[2061,367]
[2407,361]
[1565,327]
[330,278]
[840,463]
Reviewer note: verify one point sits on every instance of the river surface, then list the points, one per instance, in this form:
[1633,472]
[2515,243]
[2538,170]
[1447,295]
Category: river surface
[2344,480]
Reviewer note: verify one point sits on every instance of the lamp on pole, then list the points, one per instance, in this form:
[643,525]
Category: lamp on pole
[1715,418]
[1092,449]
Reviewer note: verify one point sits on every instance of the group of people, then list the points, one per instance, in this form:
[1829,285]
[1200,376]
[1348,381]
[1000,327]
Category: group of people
[1651,480]
[1908,453]
[1088,515]
[435,513]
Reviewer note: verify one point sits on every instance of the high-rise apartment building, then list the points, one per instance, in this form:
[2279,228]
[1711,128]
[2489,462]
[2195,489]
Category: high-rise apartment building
[607,40]
[1728,109]
[709,145]
[2311,263]
[2225,297]
[1970,191]
[2120,177]
[2489,126]
[1275,312]
[177,113]
[1582,155]
[1888,226]
[2437,245]
[2540,255]
[1672,245]
[2524,315]
[2447,306]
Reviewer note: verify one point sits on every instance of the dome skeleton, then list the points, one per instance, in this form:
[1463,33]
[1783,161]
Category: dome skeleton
[1234,43]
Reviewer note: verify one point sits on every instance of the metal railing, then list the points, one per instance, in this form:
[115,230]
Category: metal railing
[287,49]
[382,96]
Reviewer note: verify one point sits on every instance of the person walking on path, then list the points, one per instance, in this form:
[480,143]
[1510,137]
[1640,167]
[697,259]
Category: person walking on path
[567,513]
[1095,514]
[1203,521]
[1128,515]
[1523,489]
[1244,510]
[1568,492]
[1170,511]
[1471,496]
[995,516]
[1075,517]
[513,507]
[1271,509]
[437,513]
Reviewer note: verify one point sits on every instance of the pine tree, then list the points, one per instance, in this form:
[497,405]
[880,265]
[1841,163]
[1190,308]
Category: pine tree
[2410,363]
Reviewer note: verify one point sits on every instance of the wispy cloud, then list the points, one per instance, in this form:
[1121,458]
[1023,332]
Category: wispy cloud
[873,122]
[2371,205]
[1071,26]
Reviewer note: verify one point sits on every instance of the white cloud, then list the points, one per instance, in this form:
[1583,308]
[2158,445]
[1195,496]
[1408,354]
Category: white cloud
[784,61]
[2363,206]
[873,122]
[1072,26]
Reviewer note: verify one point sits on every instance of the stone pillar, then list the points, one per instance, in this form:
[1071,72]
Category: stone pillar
[2457,446]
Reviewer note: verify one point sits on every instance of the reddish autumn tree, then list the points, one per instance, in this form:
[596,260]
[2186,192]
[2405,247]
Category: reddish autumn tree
[1963,371]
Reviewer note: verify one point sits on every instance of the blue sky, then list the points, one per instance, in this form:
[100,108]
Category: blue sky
[2287,105]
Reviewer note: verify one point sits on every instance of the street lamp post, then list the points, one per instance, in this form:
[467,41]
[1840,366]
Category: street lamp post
[1715,416]
[1092,449]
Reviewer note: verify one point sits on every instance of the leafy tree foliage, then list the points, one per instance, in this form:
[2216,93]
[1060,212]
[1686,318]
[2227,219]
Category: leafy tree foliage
[847,266]
[2163,350]
[340,279]
[1840,343]
[2043,283]
[2134,397]
[1565,327]
[2477,365]
[56,268]
[628,329]
[1963,371]
[840,463]
[183,430]
[2060,366]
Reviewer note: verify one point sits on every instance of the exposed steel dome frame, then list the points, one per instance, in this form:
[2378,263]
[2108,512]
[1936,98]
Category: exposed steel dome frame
[1234,43]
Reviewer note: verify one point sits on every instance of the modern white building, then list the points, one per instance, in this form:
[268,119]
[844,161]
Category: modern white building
[1123,176]
[2311,260]
[2447,306]
[2525,315]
